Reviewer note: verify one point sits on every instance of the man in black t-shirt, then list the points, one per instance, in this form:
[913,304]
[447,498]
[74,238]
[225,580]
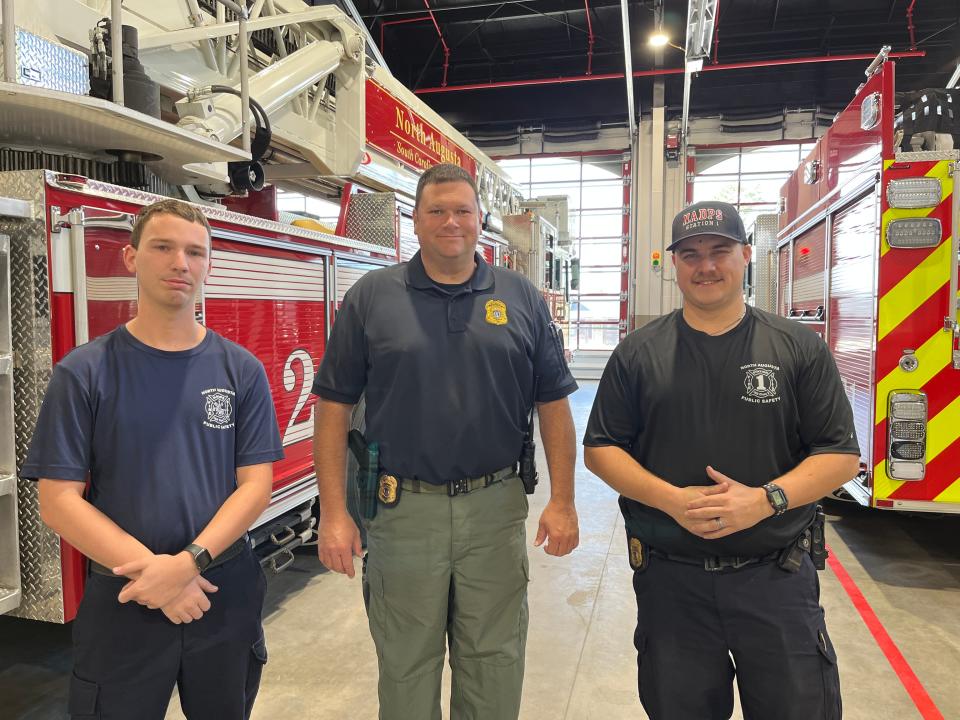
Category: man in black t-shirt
[175,428]
[721,426]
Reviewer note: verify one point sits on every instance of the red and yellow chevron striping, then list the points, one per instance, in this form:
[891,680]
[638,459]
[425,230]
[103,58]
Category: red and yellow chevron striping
[913,299]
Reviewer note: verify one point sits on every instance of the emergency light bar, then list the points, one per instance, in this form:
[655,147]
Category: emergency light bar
[921,192]
[907,435]
[914,233]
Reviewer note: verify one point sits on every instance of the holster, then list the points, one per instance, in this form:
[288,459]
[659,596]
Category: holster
[811,541]
[368,470]
[528,466]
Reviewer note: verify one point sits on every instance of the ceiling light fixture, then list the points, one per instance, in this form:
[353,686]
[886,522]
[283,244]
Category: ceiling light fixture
[659,39]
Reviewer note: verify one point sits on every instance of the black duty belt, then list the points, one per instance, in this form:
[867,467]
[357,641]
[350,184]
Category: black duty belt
[229,554]
[717,564]
[458,487]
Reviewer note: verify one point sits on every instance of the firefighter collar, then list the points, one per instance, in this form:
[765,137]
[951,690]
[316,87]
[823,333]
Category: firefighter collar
[416,275]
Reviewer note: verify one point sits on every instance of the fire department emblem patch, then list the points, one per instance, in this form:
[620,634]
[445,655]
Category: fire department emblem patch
[761,382]
[218,406]
[496,312]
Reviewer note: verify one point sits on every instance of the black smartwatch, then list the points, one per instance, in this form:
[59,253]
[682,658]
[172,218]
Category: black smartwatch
[777,498]
[200,555]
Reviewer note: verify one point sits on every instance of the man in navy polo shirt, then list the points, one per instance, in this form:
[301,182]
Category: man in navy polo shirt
[175,428]
[452,354]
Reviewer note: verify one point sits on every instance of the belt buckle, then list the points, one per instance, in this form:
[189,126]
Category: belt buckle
[739,562]
[712,564]
[458,487]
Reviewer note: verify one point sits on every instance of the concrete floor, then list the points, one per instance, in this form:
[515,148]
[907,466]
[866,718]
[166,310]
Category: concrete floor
[580,658]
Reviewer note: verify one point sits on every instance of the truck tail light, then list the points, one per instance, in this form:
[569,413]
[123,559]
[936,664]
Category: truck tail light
[906,434]
[914,233]
[920,192]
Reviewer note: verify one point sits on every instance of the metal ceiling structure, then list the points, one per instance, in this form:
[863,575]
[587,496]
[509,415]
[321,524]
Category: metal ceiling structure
[496,63]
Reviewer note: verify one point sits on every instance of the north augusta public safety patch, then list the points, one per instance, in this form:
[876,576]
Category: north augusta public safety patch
[496,312]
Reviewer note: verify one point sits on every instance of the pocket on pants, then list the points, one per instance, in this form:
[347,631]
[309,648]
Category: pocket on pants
[258,658]
[640,643]
[373,598]
[832,703]
[82,702]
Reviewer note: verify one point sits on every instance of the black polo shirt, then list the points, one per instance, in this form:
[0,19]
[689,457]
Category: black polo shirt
[752,403]
[448,372]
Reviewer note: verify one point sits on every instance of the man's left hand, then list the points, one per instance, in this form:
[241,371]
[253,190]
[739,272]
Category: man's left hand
[161,578]
[559,527]
[739,508]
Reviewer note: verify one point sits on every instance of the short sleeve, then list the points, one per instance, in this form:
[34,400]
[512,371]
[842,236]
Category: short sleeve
[60,447]
[342,376]
[826,420]
[258,437]
[554,379]
[615,416]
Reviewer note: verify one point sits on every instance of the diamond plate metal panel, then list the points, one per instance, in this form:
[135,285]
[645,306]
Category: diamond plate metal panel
[46,64]
[372,218]
[9,545]
[30,313]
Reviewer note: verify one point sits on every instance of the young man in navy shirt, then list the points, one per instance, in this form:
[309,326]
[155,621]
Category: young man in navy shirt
[175,429]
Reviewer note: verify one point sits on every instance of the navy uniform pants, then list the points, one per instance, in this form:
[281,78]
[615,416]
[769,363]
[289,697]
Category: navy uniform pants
[696,630]
[128,658]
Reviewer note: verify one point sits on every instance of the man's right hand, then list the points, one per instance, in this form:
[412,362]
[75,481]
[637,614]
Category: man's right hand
[191,603]
[678,506]
[338,540]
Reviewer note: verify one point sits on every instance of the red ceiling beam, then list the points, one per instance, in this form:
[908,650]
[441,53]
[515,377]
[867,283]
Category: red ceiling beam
[663,71]
[716,31]
[913,41]
[446,50]
[590,38]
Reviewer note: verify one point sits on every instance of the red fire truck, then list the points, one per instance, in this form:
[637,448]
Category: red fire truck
[867,255]
[341,127]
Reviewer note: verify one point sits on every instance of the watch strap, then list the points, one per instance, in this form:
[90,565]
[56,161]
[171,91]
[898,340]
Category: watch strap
[201,556]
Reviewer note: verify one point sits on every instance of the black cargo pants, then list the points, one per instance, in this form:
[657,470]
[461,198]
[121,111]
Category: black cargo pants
[696,629]
[128,658]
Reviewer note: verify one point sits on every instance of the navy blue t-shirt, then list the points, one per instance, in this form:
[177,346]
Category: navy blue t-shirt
[161,433]
[449,372]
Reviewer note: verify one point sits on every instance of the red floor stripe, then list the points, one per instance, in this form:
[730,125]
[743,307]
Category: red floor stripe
[911,683]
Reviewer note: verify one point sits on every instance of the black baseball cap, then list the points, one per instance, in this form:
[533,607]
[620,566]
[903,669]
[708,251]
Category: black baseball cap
[710,217]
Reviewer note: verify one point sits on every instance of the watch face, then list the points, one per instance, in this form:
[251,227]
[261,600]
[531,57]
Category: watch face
[778,498]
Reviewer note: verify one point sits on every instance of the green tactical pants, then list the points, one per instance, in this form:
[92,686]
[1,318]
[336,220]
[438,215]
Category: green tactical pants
[451,570]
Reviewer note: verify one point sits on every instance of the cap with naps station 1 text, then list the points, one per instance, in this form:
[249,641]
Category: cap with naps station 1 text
[708,218]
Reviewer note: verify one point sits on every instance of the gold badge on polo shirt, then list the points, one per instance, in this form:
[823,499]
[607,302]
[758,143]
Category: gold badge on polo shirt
[496,312]
[388,490]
